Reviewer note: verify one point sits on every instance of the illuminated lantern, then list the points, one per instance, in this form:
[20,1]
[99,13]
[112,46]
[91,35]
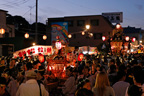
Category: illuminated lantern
[69,36]
[58,45]
[83,33]
[44,37]
[2,31]
[41,58]
[80,57]
[133,39]
[127,38]
[118,26]
[103,38]
[57,37]
[26,35]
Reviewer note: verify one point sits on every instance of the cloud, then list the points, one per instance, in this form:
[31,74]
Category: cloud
[139,7]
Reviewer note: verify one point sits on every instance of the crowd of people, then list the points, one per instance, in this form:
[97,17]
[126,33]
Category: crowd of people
[96,75]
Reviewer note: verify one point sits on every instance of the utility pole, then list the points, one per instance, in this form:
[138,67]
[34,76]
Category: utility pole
[36,37]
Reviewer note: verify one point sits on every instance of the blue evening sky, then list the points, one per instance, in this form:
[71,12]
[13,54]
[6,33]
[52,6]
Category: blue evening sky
[133,10]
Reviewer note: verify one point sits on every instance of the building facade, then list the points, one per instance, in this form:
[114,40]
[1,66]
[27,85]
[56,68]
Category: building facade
[138,33]
[99,26]
[9,29]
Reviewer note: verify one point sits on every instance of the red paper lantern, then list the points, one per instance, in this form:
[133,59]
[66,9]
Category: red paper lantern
[41,58]
[80,57]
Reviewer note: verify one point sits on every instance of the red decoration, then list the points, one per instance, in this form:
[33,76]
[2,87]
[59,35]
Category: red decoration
[133,39]
[41,58]
[80,57]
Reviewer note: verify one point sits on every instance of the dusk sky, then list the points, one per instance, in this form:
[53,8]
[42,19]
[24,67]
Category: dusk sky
[133,10]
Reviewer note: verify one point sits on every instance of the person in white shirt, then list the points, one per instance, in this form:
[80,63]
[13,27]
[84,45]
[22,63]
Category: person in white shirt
[31,87]
[120,86]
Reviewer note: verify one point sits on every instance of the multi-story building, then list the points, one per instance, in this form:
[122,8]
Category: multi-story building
[6,48]
[99,26]
[9,29]
[138,33]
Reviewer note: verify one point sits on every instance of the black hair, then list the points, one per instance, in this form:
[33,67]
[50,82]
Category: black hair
[134,90]
[120,74]
[86,67]
[29,66]
[70,68]
[84,92]
[81,83]
[138,74]
[41,70]
[2,80]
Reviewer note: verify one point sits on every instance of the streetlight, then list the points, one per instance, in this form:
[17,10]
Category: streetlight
[87,27]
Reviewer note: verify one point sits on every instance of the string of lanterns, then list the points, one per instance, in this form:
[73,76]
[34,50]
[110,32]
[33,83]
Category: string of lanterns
[83,32]
[26,35]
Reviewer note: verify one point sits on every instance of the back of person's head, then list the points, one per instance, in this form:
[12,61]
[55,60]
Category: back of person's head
[112,61]
[29,66]
[134,90]
[31,74]
[134,62]
[138,74]
[41,70]
[81,83]
[84,92]
[122,67]
[112,68]
[120,75]
[102,80]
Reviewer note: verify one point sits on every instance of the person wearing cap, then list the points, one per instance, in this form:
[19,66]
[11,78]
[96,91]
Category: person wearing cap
[31,87]
[3,91]
[40,76]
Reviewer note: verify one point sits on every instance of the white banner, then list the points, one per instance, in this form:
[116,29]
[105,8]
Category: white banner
[34,50]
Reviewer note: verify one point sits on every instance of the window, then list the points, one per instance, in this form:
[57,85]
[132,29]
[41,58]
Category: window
[80,23]
[95,22]
[70,23]
[97,35]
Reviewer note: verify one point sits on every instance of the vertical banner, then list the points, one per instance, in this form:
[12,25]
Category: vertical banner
[59,29]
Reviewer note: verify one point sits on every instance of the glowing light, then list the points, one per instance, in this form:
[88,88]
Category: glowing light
[103,38]
[83,33]
[133,39]
[87,26]
[91,34]
[26,35]
[127,38]
[58,45]
[118,26]
[69,36]
[33,44]
[140,41]
[44,37]
[2,31]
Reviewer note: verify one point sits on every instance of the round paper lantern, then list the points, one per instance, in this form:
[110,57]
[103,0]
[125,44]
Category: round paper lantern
[80,57]
[2,31]
[26,35]
[44,37]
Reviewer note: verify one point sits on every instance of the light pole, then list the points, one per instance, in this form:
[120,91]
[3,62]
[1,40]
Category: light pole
[36,21]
